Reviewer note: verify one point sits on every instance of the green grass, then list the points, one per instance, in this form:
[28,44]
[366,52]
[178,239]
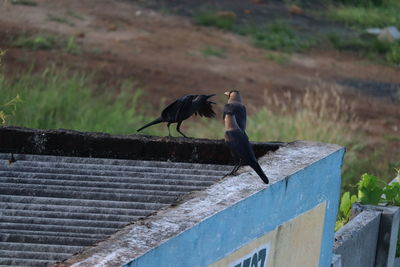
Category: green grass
[71,46]
[282,36]
[377,13]
[280,58]
[279,36]
[46,42]
[222,20]
[58,99]
[370,47]
[212,51]
[39,42]
[367,16]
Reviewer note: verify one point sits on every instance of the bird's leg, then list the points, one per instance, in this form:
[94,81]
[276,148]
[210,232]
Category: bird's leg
[169,132]
[12,159]
[178,129]
[235,168]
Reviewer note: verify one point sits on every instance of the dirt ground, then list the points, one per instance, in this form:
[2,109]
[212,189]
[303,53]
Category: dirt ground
[124,40]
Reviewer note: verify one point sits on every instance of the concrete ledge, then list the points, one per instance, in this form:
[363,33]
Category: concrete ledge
[100,145]
[356,242]
[237,211]
[336,260]
[388,232]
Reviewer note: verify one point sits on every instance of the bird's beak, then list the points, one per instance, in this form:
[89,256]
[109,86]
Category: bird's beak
[226,93]
[208,96]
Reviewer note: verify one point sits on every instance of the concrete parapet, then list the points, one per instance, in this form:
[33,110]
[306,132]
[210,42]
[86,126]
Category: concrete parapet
[356,242]
[240,221]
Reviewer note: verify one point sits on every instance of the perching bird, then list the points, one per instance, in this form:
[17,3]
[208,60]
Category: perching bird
[235,106]
[240,147]
[182,109]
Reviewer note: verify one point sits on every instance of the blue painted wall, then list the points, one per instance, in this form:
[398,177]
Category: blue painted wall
[251,218]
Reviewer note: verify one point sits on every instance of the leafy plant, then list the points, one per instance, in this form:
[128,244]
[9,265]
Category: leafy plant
[371,190]
[345,207]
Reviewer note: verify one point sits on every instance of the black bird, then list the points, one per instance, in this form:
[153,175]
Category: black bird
[182,109]
[240,147]
[235,106]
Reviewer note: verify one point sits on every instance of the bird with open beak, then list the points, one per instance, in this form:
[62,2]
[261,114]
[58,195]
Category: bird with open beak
[182,109]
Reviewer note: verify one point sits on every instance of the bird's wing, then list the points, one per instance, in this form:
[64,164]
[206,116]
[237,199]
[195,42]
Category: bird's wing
[241,117]
[172,111]
[186,109]
[206,110]
[239,111]
[239,144]
[228,109]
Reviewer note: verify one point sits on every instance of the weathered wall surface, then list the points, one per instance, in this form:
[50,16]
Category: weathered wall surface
[240,220]
[356,241]
[71,143]
[276,214]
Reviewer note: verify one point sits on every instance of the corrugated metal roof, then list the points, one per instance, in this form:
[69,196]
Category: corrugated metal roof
[53,206]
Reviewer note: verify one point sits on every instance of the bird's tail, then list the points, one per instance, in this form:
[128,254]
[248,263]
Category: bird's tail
[158,120]
[260,172]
